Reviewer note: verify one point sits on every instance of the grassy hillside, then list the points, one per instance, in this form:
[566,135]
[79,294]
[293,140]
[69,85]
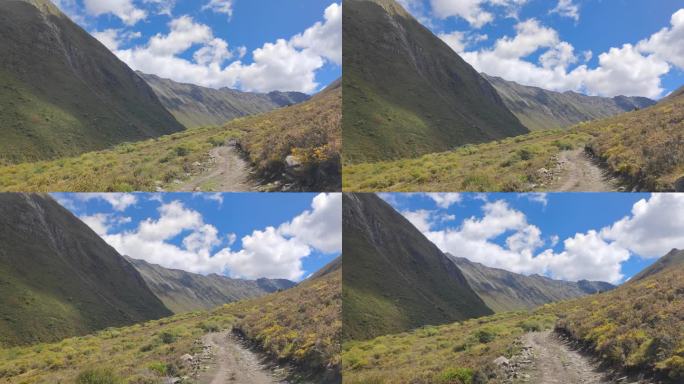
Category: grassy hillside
[182,291]
[644,148]
[58,278]
[406,93]
[505,291]
[63,93]
[309,131]
[195,106]
[540,109]
[300,323]
[395,279]
[636,327]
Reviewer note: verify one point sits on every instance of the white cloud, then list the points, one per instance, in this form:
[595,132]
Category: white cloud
[273,252]
[287,65]
[445,200]
[621,71]
[320,227]
[667,44]
[113,38]
[456,40]
[503,238]
[537,197]
[163,7]
[324,38]
[567,8]
[217,197]
[123,9]
[473,11]
[655,226]
[118,201]
[220,6]
[102,223]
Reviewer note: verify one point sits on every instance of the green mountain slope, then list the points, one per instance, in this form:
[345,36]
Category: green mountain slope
[406,93]
[644,149]
[300,326]
[195,106]
[505,291]
[634,330]
[539,108]
[59,279]
[395,279]
[62,92]
[183,291]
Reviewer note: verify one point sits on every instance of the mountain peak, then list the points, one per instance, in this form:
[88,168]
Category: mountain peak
[45,6]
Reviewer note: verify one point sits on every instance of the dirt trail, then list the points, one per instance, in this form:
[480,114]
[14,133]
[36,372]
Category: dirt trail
[555,362]
[580,174]
[228,172]
[232,362]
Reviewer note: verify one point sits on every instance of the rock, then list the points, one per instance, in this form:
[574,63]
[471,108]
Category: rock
[196,163]
[187,357]
[501,361]
[159,189]
[292,161]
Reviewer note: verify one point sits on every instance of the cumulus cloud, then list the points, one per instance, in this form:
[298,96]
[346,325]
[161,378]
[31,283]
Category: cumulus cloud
[162,7]
[621,71]
[180,238]
[286,64]
[567,8]
[445,200]
[123,9]
[503,238]
[655,226]
[118,201]
[667,44]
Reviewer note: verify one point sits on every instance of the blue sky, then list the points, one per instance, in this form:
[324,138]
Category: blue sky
[237,40]
[248,235]
[571,236]
[575,33]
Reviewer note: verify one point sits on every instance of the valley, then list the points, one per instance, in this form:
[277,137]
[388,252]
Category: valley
[93,124]
[72,309]
[432,123]
[538,330]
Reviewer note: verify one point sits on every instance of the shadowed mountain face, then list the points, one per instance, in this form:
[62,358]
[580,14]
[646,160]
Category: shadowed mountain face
[507,291]
[674,259]
[62,92]
[196,106]
[406,93]
[183,291]
[58,278]
[395,279]
[539,108]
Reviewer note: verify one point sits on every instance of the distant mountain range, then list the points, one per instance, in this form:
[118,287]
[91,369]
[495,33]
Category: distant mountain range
[194,106]
[183,291]
[394,278]
[407,93]
[63,92]
[505,291]
[58,278]
[539,108]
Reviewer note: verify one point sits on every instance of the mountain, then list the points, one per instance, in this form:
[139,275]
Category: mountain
[505,291]
[183,291]
[674,259]
[62,92]
[58,278]
[195,106]
[539,108]
[395,279]
[301,325]
[406,93]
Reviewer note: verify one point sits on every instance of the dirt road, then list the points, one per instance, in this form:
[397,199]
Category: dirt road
[578,173]
[233,363]
[227,172]
[555,362]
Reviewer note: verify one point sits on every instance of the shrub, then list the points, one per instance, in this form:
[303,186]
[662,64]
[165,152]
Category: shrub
[158,367]
[456,376]
[530,326]
[485,336]
[98,376]
[167,337]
